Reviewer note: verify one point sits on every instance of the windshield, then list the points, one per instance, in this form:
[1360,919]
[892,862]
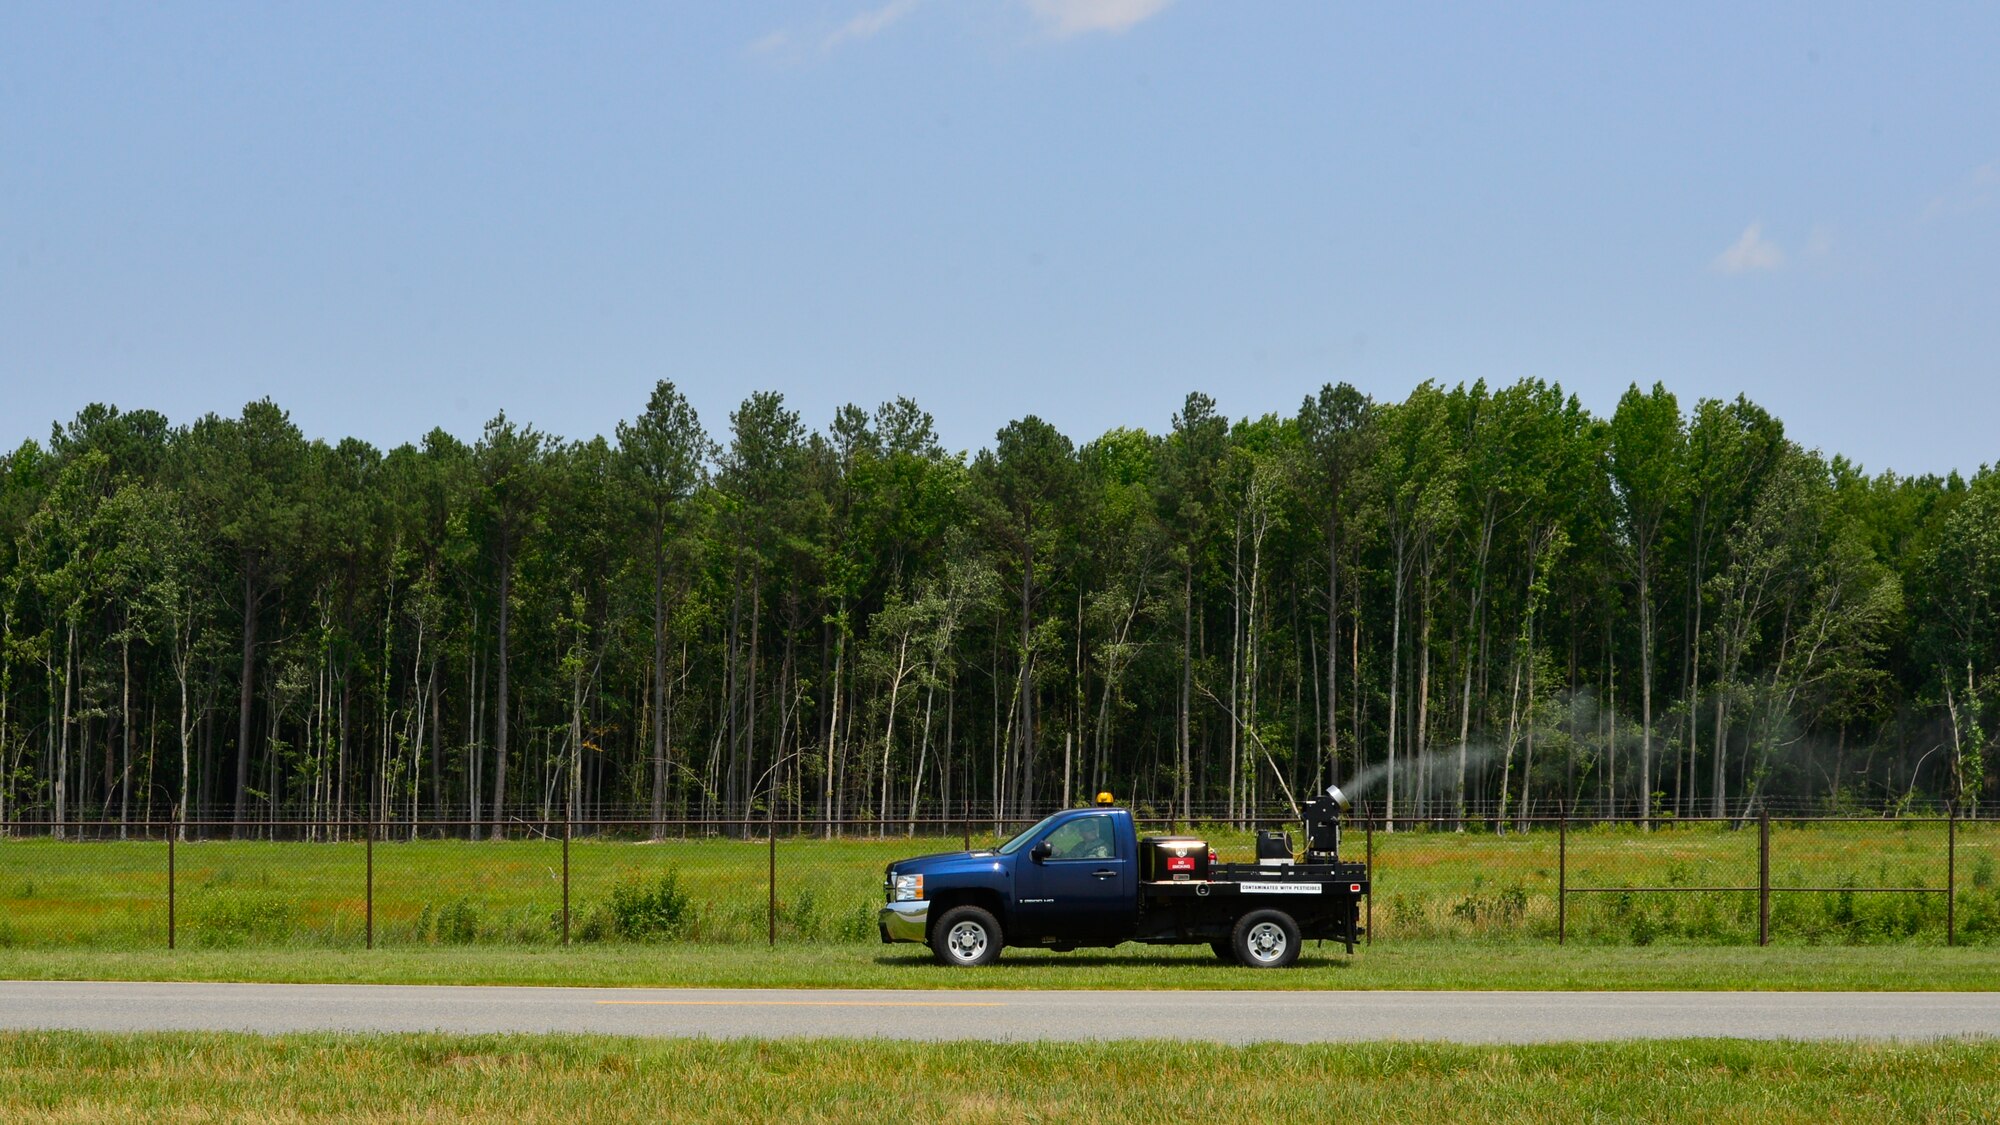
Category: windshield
[1014,845]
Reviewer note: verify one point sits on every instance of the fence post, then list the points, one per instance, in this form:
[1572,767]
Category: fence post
[1763,876]
[566,833]
[967,826]
[370,903]
[771,883]
[1562,875]
[1368,838]
[1951,875]
[172,831]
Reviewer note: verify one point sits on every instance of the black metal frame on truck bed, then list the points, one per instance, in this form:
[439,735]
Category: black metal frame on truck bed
[1323,898]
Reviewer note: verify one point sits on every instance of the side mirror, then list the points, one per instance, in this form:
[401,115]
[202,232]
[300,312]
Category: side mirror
[1040,851]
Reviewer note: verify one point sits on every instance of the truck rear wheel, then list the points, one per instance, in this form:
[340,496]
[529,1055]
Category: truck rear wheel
[1266,939]
[966,935]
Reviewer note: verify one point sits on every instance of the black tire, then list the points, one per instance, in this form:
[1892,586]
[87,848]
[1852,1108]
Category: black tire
[966,936]
[1266,939]
[1223,951]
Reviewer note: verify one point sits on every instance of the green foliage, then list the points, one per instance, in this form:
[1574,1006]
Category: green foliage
[648,909]
[454,923]
[1672,610]
[1507,906]
[242,917]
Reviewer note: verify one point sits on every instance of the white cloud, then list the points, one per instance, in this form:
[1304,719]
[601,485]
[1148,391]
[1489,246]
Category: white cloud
[773,43]
[1973,192]
[1751,253]
[794,44]
[869,24]
[1066,18]
[1060,19]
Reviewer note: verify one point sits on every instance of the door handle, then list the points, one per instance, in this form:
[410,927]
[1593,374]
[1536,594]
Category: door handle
[1104,873]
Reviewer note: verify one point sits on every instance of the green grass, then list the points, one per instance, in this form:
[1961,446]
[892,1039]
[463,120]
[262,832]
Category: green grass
[112,895]
[1431,964]
[74,1077]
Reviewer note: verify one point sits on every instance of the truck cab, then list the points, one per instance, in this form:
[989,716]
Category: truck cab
[1070,880]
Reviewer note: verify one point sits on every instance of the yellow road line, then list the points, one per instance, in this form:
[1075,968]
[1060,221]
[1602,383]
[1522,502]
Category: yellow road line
[817,1003]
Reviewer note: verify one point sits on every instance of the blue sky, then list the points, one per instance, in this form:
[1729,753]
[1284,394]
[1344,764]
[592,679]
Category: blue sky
[393,216]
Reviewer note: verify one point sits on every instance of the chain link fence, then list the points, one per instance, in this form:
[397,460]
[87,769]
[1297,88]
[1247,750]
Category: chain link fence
[218,884]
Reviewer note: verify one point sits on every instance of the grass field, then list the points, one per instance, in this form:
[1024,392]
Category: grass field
[1416,964]
[74,1077]
[1428,885]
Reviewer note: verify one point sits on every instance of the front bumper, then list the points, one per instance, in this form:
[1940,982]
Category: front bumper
[904,921]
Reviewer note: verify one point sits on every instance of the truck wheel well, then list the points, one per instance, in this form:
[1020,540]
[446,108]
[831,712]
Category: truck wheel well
[988,901]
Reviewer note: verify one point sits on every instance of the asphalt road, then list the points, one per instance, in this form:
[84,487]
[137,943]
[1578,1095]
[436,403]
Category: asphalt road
[1230,1017]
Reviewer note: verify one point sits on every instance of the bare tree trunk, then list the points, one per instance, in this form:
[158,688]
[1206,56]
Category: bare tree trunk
[1507,757]
[1645,690]
[1611,741]
[1395,680]
[125,732]
[419,714]
[475,749]
[62,746]
[1528,760]
[1424,708]
[659,688]
[6,698]
[833,726]
[1026,692]
[501,704]
[1354,683]
[572,803]
[1077,701]
[1697,563]
[1333,644]
[1721,729]
[1472,628]
[1187,689]
[923,752]
[1261,525]
[889,728]
[750,693]
[437,751]
[1235,668]
[247,690]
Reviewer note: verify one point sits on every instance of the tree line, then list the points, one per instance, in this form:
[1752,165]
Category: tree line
[1471,602]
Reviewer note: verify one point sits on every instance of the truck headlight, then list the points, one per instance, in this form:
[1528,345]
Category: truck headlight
[906,888]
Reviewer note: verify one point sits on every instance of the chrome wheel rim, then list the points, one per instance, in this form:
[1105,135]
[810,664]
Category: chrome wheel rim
[1267,941]
[966,941]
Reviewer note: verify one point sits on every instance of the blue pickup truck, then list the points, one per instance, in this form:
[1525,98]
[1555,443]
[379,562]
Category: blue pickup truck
[1084,877]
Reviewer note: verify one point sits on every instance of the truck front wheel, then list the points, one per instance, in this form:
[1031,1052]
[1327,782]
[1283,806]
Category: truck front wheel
[966,935]
[1266,939]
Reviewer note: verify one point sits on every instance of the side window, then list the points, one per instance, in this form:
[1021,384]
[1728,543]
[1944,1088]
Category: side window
[1087,837]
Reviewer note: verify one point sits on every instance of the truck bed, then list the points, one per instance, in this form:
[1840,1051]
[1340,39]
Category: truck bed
[1322,898]
[1274,879]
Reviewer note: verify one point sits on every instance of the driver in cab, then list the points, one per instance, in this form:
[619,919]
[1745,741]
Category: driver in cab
[1087,838]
